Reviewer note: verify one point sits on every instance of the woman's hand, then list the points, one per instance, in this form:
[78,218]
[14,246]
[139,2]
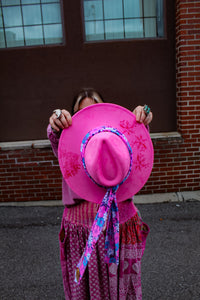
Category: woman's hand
[60,122]
[142,116]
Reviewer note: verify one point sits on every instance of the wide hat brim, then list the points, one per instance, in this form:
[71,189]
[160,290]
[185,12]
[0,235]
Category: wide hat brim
[69,155]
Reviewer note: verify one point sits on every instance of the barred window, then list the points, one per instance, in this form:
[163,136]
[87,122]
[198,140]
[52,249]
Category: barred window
[123,19]
[30,22]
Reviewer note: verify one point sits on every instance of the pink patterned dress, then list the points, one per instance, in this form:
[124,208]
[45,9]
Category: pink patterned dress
[102,280]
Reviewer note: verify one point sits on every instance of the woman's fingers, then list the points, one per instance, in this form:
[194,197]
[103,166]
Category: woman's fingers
[141,116]
[64,120]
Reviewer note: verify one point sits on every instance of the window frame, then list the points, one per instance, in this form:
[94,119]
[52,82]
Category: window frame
[23,26]
[85,41]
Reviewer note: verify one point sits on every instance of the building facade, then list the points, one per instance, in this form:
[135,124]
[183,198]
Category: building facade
[161,62]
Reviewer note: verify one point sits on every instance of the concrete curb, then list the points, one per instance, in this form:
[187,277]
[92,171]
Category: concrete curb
[167,197]
[139,199]
[33,203]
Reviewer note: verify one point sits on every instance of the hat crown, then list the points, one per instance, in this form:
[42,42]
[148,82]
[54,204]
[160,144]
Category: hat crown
[107,159]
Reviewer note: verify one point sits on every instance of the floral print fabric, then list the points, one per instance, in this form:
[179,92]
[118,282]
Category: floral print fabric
[102,280]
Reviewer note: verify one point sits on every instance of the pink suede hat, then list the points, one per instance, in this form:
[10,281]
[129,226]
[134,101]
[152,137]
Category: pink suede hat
[105,147]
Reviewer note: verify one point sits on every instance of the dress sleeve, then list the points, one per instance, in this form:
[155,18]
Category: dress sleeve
[54,139]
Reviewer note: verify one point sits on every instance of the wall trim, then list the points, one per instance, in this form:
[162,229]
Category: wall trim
[5,146]
[39,144]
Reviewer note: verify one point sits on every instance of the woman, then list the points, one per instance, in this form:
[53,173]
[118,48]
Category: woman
[101,280]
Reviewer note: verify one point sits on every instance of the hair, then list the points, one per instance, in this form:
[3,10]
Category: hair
[85,93]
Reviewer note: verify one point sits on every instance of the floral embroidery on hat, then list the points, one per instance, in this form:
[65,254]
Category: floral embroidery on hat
[72,163]
[127,127]
[141,143]
[140,163]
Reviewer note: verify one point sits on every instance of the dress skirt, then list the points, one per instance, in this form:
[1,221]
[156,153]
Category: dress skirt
[101,280]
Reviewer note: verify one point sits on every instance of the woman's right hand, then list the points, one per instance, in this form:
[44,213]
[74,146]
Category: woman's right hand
[64,121]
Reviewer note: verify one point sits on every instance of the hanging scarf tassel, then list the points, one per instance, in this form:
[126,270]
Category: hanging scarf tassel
[112,234]
[107,210]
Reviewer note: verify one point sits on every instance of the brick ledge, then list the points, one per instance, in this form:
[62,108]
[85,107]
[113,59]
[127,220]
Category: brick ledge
[39,144]
[25,145]
[166,135]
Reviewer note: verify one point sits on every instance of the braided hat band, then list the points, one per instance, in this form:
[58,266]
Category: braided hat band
[95,131]
[108,210]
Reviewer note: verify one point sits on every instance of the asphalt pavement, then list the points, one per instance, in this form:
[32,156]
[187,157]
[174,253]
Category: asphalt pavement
[29,252]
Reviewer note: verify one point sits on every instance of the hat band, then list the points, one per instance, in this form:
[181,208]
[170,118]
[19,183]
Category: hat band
[108,212]
[95,131]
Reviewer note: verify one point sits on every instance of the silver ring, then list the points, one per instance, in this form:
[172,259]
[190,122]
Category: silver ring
[58,113]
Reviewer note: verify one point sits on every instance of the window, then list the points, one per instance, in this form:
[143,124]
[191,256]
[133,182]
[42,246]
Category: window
[30,22]
[123,19]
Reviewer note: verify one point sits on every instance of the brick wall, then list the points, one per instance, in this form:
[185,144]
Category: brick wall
[33,173]
[29,175]
[177,161]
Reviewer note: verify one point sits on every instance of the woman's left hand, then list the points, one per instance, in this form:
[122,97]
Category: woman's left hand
[141,116]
